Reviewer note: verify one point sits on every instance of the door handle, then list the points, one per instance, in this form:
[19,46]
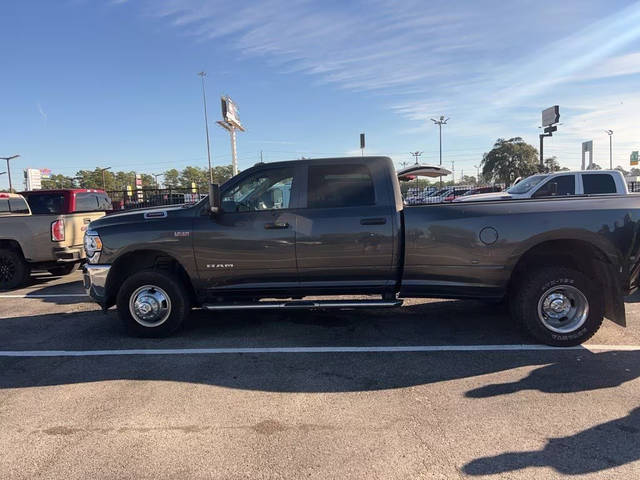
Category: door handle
[373,221]
[276,226]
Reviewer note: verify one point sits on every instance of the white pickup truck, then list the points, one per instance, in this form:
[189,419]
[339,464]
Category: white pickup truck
[585,182]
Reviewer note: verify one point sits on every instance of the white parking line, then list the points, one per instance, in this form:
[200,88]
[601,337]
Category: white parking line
[373,349]
[52,295]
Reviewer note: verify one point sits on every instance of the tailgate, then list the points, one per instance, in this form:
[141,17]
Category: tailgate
[75,225]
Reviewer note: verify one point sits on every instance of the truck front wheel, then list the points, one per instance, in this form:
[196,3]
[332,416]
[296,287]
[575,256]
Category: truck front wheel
[152,304]
[558,306]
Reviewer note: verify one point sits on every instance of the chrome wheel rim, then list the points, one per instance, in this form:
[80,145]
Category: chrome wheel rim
[563,309]
[150,306]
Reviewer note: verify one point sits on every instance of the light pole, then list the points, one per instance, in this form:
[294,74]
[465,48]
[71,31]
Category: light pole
[416,155]
[441,121]
[206,125]
[610,133]
[156,175]
[9,168]
[104,182]
[477,167]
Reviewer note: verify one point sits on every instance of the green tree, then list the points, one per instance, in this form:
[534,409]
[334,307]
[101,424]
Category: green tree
[222,173]
[595,166]
[171,178]
[622,170]
[57,181]
[508,160]
[195,175]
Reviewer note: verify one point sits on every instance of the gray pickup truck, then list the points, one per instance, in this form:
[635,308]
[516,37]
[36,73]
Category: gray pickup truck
[279,232]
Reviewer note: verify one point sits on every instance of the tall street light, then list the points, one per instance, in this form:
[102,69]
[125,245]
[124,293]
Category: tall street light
[104,182]
[9,169]
[156,175]
[206,125]
[441,121]
[610,133]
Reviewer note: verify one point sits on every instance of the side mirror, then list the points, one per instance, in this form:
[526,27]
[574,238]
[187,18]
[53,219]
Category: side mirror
[214,197]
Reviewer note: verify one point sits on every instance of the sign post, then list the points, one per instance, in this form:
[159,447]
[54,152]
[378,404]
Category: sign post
[550,117]
[231,122]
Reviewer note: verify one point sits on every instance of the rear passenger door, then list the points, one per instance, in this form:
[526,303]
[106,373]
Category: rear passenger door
[345,233]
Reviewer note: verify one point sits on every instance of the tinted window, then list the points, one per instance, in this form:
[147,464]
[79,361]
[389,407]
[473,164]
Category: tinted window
[4,206]
[87,202]
[598,183]
[104,202]
[18,205]
[46,203]
[566,185]
[265,190]
[332,186]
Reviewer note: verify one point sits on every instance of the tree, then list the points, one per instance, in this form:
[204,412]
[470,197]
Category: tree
[595,166]
[57,181]
[508,160]
[622,170]
[194,175]
[171,178]
[468,180]
[222,173]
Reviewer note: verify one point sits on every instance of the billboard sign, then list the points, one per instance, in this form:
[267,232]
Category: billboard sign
[634,158]
[550,116]
[230,113]
[33,178]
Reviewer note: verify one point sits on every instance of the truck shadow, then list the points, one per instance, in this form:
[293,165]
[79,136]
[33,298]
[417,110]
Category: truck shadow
[598,448]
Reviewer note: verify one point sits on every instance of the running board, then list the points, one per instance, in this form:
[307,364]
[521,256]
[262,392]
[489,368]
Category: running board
[304,304]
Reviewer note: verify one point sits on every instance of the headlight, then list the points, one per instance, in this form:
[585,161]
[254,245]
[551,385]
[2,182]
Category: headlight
[92,246]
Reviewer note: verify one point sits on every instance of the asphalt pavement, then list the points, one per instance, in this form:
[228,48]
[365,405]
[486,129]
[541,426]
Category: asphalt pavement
[435,389]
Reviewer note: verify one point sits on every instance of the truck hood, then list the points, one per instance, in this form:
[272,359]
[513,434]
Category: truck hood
[484,196]
[139,216]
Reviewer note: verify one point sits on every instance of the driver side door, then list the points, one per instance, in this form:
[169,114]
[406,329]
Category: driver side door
[249,246]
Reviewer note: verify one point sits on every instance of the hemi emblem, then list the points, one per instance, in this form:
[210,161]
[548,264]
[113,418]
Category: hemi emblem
[180,234]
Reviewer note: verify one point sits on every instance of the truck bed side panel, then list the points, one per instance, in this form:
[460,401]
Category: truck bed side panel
[470,249]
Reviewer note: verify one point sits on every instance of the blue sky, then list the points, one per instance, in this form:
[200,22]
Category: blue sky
[113,83]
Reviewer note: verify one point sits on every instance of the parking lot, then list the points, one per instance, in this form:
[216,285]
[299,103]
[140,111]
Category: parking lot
[435,389]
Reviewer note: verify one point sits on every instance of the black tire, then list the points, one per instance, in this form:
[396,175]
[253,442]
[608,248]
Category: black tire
[527,306]
[14,271]
[64,270]
[178,304]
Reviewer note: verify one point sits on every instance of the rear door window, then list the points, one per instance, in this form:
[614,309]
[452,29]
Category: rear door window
[4,206]
[87,202]
[46,203]
[595,183]
[566,185]
[333,186]
[18,205]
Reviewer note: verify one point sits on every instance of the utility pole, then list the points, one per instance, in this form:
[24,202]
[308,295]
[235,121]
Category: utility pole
[104,182]
[261,157]
[610,133]
[453,171]
[477,167]
[9,169]
[416,155]
[206,125]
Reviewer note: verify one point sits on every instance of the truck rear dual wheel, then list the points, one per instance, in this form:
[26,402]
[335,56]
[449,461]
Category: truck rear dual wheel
[14,271]
[558,306]
[152,303]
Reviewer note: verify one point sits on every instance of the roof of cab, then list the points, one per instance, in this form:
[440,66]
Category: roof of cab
[64,190]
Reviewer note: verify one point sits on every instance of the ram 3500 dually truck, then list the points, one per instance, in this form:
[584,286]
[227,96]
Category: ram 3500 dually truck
[279,232]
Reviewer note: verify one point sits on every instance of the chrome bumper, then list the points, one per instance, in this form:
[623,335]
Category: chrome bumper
[95,280]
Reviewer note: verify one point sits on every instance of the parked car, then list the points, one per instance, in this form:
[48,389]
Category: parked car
[479,190]
[586,182]
[44,229]
[563,263]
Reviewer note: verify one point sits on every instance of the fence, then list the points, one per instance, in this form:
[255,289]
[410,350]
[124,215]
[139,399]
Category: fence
[153,197]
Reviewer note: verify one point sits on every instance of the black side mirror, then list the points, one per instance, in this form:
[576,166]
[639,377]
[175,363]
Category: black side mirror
[214,197]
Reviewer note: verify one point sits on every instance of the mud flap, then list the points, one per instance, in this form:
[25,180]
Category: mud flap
[613,299]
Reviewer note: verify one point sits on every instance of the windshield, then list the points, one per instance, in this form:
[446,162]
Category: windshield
[527,184]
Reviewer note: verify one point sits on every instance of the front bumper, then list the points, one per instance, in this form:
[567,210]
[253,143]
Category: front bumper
[95,281]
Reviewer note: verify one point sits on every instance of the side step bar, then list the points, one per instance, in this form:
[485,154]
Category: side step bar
[304,304]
